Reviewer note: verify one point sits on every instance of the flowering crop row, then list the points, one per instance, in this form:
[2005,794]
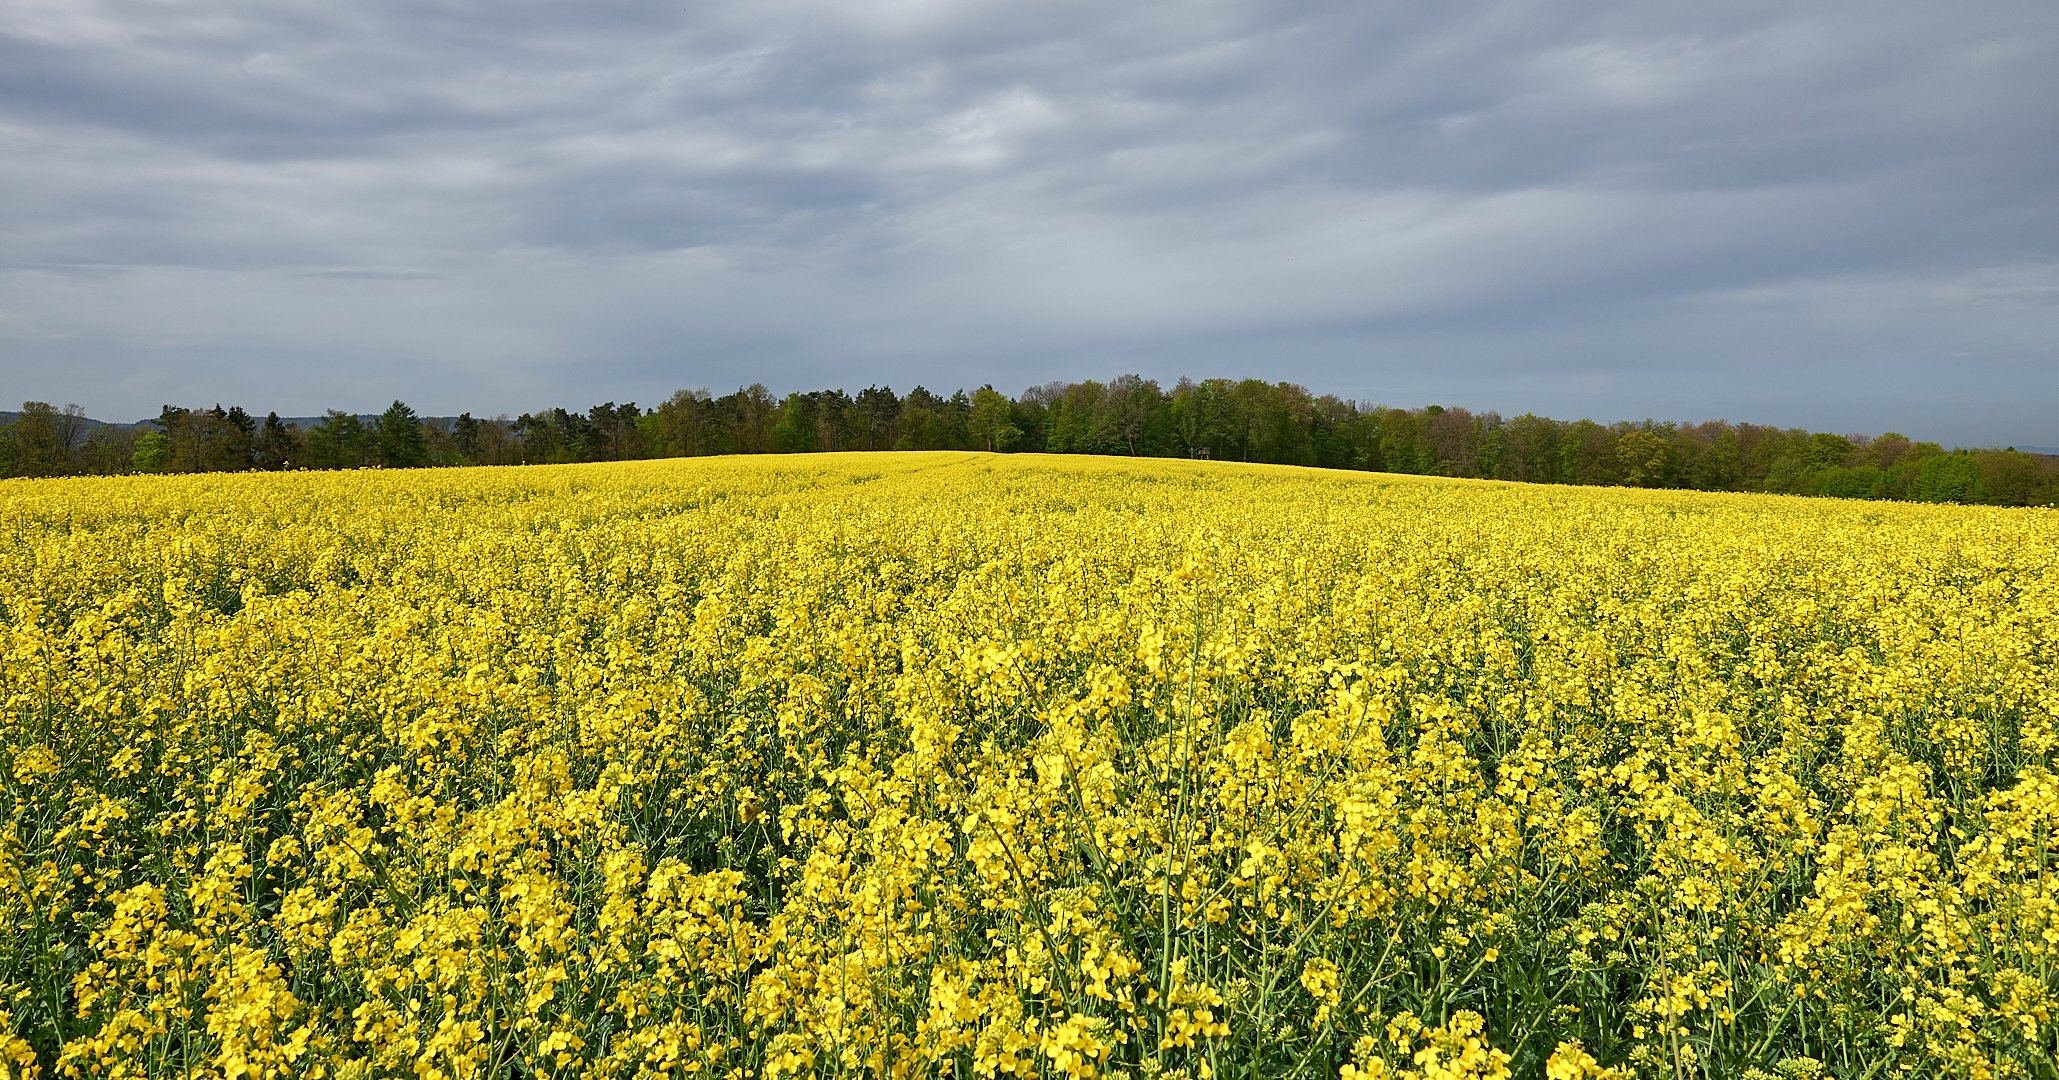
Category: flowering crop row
[954,765]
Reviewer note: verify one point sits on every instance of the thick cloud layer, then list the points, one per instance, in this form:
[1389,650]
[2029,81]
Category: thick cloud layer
[1836,215]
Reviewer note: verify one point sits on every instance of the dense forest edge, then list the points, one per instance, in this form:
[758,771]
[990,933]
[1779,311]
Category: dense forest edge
[1221,419]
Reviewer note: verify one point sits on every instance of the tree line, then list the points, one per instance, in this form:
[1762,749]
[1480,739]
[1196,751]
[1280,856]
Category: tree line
[1222,419]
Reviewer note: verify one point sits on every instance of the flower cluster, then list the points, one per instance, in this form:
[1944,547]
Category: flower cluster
[919,765]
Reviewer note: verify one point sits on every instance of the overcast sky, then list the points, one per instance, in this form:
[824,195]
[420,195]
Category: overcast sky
[1842,216]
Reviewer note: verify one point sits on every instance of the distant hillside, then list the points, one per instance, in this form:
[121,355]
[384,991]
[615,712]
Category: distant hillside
[1221,419]
[303,422]
[9,417]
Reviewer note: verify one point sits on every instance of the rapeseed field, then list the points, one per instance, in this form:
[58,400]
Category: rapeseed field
[954,765]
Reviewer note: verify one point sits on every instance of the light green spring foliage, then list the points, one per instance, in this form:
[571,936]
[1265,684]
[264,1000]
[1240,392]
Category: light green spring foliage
[954,765]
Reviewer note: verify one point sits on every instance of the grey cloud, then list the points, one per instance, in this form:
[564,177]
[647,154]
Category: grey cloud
[368,274]
[1597,204]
